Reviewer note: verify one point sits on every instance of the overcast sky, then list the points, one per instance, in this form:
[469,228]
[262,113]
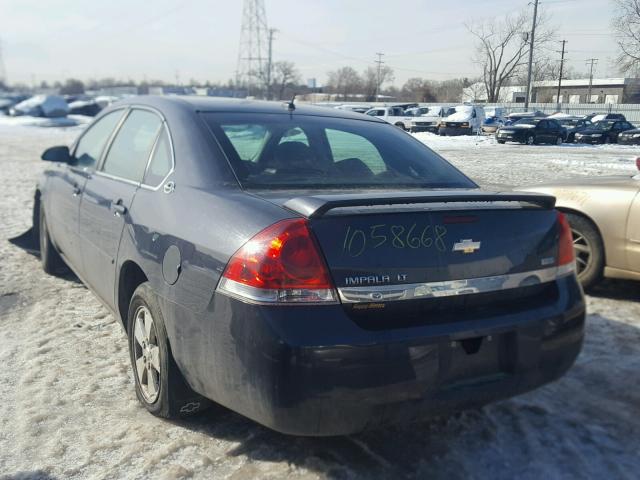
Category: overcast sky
[157,39]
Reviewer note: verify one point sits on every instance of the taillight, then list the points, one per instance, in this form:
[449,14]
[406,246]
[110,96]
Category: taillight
[281,264]
[566,255]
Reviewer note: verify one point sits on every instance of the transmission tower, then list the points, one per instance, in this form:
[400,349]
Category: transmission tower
[253,54]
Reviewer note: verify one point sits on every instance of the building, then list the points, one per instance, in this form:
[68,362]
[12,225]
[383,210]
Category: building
[603,90]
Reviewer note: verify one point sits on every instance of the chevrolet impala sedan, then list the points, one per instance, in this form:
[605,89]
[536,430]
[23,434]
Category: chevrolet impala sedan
[318,271]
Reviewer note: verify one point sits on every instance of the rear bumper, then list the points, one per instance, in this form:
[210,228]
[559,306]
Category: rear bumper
[313,371]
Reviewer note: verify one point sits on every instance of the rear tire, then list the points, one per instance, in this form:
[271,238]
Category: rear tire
[52,262]
[160,386]
[589,250]
[559,141]
[400,125]
[501,142]
[531,140]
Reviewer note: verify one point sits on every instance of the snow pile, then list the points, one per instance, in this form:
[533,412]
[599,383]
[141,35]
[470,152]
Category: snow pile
[49,106]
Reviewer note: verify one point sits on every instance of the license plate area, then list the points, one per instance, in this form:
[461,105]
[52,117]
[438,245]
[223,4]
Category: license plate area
[475,360]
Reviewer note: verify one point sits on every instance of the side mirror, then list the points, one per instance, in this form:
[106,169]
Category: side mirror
[57,154]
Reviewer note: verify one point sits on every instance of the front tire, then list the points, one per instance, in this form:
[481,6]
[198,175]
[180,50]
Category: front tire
[559,141]
[160,386]
[52,262]
[501,142]
[400,125]
[589,250]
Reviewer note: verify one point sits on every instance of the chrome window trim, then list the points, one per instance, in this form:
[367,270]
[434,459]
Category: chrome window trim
[100,173]
[414,291]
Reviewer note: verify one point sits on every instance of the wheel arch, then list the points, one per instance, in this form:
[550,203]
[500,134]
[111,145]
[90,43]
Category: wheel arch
[592,222]
[131,277]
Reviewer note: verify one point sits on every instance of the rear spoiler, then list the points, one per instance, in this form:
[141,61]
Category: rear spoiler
[317,205]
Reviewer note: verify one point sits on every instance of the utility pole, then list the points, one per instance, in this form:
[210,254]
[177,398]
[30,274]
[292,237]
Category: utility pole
[3,74]
[379,62]
[272,31]
[560,76]
[532,39]
[591,62]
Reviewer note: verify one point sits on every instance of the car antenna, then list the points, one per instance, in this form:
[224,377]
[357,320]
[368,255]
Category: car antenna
[291,106]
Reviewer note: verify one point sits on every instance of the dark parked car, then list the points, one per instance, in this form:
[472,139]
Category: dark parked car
[573,126]
[532,131]
[317,271]
[629,137]
[604,131]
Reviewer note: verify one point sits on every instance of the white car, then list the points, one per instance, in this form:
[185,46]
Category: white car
[429,117]
[467,120]
[393,115]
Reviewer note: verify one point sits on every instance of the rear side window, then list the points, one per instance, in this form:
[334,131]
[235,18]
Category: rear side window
[161,162]
[90,146]
[129,152]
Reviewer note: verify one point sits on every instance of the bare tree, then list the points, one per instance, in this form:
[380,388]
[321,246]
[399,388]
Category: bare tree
[284,74]
[626,24]
[502,48]
[372,83]
[417,90]
[344,81]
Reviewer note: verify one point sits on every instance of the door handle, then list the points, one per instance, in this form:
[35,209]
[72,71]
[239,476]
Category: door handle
[118,208]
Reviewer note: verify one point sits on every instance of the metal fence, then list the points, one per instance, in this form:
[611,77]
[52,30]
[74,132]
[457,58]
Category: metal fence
[631,111]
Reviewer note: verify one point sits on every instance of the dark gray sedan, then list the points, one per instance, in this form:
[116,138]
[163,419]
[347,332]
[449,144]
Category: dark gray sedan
[315,270]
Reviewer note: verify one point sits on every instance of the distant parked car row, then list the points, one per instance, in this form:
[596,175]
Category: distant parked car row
[534,127]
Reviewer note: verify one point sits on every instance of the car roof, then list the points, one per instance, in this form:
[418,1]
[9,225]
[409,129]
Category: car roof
[194,104]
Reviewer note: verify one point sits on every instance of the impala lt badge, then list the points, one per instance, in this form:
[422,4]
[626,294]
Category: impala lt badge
[466,246]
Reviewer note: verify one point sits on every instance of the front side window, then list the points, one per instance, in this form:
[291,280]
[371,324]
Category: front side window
[129,152]
[90,146]
[311,152]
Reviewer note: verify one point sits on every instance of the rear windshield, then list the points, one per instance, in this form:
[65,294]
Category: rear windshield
[298,151]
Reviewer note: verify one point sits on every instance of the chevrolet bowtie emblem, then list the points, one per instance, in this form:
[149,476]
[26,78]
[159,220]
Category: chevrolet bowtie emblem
[466,246]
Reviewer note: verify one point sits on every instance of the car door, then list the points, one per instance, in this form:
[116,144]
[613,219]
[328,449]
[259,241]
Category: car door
[108,196]
[541,132]
[66,189]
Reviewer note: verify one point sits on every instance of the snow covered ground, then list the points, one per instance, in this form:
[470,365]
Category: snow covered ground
[68,408]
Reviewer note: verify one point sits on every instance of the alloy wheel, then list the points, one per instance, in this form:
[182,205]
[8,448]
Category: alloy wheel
[146,354]
[583,251]
[530,140]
